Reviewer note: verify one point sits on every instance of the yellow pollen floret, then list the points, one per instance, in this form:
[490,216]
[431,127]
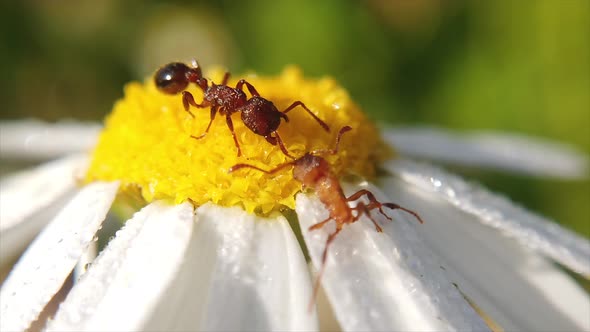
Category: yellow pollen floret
[146,143]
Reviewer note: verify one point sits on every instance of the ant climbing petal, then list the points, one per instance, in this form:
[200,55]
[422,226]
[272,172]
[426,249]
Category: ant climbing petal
[315,172]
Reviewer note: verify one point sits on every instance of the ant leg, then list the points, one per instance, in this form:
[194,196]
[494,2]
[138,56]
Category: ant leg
[336,145]
[230,125]
[395,206]
[188,99]
[299,103]
[316,286]
[225,78]
[213,113]
[278,141]
[361,209]
[250,87]
[375,204]
[320,224]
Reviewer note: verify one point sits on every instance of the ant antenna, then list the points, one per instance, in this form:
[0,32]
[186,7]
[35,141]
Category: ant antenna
[336,145]
[272,171]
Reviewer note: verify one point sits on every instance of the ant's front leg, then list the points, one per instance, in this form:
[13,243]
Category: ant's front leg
[361,209]
[188,99]
[250,87]
[278,141]
[375,204]
[213,113]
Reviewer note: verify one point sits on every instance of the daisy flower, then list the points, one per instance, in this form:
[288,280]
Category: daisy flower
[214,250]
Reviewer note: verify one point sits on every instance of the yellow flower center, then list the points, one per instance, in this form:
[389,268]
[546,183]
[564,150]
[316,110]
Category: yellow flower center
[146,143]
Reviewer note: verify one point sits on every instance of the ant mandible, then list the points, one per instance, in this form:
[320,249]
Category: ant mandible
[259,115]
[314,172]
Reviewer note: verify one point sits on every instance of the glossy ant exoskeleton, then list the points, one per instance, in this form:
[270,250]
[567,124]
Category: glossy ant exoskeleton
[258,114]
[314,172]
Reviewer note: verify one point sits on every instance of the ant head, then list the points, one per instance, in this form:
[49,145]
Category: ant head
[175,77]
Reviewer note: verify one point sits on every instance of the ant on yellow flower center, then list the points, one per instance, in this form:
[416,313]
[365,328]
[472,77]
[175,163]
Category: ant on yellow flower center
[260,115]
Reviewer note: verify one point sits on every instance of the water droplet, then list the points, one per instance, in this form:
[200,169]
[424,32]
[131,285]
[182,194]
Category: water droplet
[436,182]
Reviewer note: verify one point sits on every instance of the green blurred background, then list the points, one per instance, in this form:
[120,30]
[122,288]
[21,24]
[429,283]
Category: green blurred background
[517,66]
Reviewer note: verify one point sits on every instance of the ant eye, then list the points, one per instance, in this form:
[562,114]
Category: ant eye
[172,78]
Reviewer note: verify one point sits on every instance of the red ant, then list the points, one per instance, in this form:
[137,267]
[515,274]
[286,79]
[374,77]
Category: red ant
[314,172]
[258,114]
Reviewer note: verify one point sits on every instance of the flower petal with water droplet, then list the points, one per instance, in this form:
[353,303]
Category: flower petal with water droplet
[507,152]
[242,272]
[48,261]
[124,284]
[38,140]
[532,230]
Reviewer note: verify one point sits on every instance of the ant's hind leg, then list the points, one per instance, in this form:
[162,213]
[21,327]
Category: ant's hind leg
[188,99]
[316,287]
[250,87]
[299,103]
[213,113]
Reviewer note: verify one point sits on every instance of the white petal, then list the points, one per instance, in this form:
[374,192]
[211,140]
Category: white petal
[532,230]
[25,195]
[32,139]
[510,152]
[517,288]
[384,281]
[48,261]
[123,285]
[242,272]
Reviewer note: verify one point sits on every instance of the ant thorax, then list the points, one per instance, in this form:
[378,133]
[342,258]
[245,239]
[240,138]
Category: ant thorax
[225,97]
[148,142]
